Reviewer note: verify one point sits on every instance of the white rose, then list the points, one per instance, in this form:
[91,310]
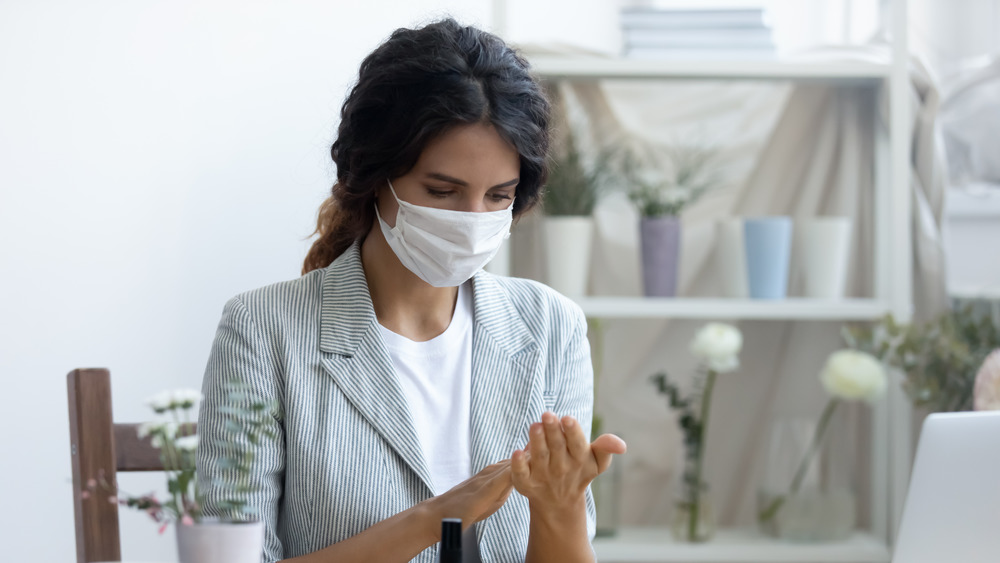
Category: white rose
[187,443]
[986,394]
[718,346]
[850,374]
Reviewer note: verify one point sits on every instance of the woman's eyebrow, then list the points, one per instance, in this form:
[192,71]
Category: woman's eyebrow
[451,180]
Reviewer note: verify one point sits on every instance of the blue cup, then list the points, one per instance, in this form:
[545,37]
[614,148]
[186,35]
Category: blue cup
[768,242]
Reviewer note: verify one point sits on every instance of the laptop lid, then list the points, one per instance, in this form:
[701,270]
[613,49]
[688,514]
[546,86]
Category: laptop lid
[952,510]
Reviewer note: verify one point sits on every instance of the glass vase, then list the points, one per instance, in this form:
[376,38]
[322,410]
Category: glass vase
[822,507]
[606,489]
[682,528]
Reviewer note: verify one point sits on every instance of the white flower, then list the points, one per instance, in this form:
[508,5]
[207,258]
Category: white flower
[718,346]
[187,443]
[160,431]
[673,195]
[147,428]
[169,400]
[160,402]
[850,374]
[987,390]
[185,398]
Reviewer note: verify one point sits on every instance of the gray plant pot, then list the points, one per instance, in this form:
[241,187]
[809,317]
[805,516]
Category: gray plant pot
[660,238]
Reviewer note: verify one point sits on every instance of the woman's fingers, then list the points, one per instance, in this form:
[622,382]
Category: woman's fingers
[555,440]
[604,447]
[539,448]
[576,442]
[519,468]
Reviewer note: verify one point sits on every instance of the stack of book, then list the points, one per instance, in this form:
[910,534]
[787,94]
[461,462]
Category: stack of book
[679,33]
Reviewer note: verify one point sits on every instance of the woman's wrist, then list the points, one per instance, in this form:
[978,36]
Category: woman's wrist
[428,513]
[559,533]
[563,514]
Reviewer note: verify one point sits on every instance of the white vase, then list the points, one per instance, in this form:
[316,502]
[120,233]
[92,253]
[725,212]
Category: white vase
[731,258]
[824,249]
[217,542]
[567,253]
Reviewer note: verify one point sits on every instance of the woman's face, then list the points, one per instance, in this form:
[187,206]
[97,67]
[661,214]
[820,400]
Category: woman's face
[468,168]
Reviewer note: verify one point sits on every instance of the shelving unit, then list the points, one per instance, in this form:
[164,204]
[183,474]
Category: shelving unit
[893,293]
[654,545]
[729,309]
[605,68]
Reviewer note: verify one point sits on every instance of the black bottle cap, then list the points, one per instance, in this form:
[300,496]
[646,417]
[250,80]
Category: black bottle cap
[451,540]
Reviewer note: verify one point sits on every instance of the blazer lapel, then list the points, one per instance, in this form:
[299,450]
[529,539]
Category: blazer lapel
[359,363]
[506,377]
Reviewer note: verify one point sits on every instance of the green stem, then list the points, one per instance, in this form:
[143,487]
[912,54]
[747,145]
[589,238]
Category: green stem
[800,473]
[706,403]
[172,460]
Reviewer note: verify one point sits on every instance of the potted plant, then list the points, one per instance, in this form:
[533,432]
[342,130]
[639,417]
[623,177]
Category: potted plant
[570,195]
[237,537]
[660,199]
[939,358]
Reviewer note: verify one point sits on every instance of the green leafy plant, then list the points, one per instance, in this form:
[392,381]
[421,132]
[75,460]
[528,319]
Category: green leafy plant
[574,185]
[695,170]
[246,417]
[939,358]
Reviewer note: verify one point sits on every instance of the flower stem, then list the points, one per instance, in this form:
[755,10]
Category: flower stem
[800,473]
[706,403]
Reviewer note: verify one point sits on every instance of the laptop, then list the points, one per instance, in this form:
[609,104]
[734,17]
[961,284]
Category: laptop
[952,511]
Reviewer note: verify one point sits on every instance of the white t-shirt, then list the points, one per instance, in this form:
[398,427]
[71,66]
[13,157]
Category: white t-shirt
[436,378]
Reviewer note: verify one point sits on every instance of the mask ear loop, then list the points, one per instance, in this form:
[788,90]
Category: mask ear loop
[392,190]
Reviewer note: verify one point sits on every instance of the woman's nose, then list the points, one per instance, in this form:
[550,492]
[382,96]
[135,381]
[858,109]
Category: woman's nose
[474,203]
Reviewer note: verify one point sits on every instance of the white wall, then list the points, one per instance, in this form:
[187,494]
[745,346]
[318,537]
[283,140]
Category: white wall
[156,158]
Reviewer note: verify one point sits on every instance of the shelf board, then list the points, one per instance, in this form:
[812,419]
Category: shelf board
[971,292]
[732,309]
[655,545]
[594,68]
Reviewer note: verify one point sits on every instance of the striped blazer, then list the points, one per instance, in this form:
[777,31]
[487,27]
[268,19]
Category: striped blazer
[347,455]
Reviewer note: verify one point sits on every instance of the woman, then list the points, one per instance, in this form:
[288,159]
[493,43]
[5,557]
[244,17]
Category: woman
[409,385]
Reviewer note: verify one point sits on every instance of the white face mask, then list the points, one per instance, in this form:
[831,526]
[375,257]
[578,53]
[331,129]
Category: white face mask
[443,247]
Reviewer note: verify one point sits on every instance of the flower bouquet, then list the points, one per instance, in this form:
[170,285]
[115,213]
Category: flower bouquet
[174,435]
[237,536]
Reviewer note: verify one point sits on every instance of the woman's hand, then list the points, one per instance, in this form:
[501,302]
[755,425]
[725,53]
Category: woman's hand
[561,463]
[474,499]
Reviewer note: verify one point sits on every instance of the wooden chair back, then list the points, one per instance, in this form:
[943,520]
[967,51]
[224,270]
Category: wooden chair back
[99,447]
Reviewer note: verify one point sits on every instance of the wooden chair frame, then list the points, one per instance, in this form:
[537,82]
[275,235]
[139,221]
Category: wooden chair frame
[99,447]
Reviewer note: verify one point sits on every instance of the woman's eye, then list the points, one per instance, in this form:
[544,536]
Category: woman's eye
[438,193]
[499,197]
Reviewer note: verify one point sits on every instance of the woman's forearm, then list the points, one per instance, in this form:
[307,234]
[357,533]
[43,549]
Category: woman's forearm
[559,535]
[397,539]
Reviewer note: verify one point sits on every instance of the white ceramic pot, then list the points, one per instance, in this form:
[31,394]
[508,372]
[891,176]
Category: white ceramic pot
[567,253]
[217,542]
[824,251]
[731,258]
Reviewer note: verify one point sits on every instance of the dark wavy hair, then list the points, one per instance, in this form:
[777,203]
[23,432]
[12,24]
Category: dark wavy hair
[415,86]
